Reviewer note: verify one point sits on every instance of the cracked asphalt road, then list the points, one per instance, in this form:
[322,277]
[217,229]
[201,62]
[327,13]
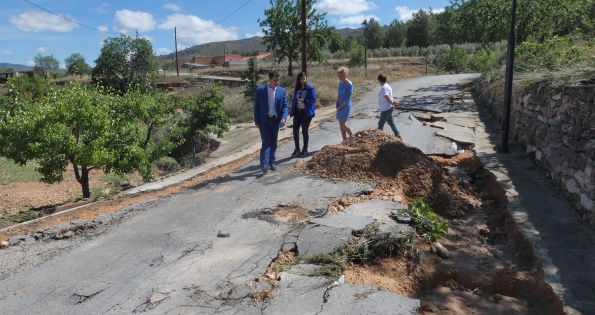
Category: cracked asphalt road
[165,257]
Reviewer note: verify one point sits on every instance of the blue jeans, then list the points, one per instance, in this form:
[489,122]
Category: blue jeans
[387,116]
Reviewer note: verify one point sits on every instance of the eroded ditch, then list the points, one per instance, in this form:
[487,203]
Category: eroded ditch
[490,268]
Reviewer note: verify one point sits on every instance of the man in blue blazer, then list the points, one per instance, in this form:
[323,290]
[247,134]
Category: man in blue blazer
[270,111]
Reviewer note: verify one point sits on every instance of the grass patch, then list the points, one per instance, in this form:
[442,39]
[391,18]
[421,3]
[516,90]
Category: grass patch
[11,172]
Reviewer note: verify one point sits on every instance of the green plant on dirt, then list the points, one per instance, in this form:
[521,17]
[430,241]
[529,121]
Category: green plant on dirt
[425,220]
[363,247]
[481,61]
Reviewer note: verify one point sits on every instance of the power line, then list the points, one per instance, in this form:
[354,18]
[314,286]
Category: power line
[69,20]
[210,27]
[95,29]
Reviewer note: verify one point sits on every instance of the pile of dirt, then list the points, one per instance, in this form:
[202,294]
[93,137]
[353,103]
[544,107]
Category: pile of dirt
[376,157]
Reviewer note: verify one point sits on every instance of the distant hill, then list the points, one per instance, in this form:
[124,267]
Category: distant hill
[16,67]
[242,46]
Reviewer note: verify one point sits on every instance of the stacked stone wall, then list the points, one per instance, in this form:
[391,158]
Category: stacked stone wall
[556,125]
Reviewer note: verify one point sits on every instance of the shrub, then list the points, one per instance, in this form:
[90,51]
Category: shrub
[453,61]
[481,61]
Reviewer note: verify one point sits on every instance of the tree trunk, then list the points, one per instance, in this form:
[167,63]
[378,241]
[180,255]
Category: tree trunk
[82,178]
[290,67]
[85,182]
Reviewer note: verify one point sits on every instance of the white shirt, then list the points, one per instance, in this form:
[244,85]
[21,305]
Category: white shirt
[271,94]
[383,103]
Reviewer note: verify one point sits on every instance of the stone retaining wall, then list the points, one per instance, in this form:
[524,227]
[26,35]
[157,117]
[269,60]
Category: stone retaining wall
[556,125]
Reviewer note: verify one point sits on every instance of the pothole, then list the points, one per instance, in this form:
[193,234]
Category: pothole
[284,213]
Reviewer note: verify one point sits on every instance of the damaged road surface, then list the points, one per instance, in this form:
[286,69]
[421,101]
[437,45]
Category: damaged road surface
[203,251]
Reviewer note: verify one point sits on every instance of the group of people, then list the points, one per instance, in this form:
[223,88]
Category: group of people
[271,110]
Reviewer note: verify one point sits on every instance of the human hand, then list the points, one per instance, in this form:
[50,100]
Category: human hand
[282,121]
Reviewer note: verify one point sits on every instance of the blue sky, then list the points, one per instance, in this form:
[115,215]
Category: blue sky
[29,27]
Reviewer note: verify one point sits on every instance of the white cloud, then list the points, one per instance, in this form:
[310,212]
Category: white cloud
[192,30]
[259,33]
[8,52]
[356,20]
[172,7]
[42,49]
[102,8]
[30,63]
[405,14]
[35,21]
[163,51]
[129,21]
[103,28]
[341,7]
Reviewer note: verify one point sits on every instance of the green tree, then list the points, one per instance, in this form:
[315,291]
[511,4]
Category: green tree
[453,61]
[421,29]
[167,65]
[282,33]
[204,115]
[357,56]
[88,129]
[396,34]
[350,43]
[45,65]
[251,74]
[488,21]
[76,65]
[124,62]
[375,35]
[336,43]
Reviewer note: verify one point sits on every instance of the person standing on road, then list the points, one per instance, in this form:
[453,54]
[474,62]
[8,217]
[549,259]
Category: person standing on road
[303,109]
[270,111]
[344,101]
[386,104]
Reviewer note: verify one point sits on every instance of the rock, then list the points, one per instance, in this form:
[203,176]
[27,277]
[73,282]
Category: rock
[69,234]
[222,234]
[484,231]
[497,297]
[4,244]
[441,250]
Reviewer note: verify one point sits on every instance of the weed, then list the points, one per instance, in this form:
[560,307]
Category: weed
[425,220]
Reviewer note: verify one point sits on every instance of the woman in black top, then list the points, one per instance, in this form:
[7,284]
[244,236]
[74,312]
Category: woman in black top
[303,108]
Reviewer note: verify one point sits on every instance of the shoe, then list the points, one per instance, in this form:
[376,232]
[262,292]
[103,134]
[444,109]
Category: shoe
[273,168]
[304,153]
[264,170]
[296,152]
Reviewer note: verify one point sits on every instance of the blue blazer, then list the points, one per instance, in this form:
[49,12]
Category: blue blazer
[261,104]
[309,102]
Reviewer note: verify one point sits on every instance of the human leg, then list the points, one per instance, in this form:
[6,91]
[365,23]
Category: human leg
[305,131]
[296,133]
[393,126]
[274,130]
[383,118]
[265,137]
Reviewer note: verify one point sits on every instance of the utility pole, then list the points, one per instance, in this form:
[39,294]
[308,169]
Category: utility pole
[304,38]
[508,84]
[365,24]
[136,33]
[176,41]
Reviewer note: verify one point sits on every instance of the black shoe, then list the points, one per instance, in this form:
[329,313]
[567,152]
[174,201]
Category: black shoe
[273,168]
[296,152]
[264,170]
[304,153]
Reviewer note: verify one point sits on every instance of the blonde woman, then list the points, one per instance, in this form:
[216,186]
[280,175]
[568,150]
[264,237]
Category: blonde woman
[344,101]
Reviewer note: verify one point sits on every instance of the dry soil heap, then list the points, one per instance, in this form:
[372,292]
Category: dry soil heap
[376,157]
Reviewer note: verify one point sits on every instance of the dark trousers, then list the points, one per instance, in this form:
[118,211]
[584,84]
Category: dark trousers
[269,133]
[387,116]
[300,120]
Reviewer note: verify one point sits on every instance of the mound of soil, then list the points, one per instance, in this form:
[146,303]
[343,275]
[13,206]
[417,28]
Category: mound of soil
[375,156]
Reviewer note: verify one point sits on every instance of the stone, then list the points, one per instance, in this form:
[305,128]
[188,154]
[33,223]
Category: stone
[586,202]
[4,244]
[571,186]
[441,250]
